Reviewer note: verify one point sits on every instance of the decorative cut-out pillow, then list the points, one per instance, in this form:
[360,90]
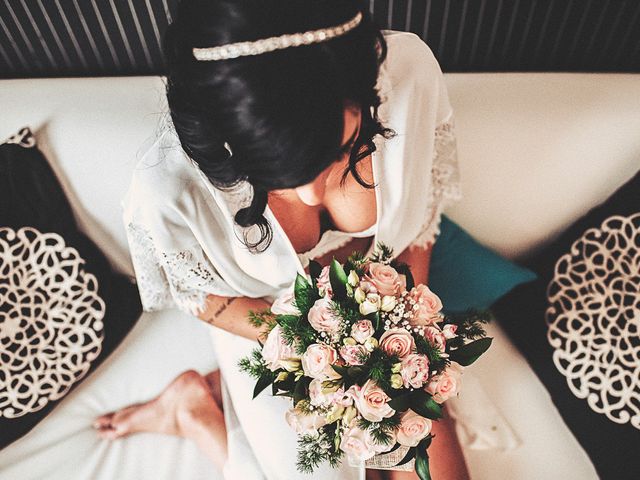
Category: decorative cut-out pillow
[578,326]
[63,309]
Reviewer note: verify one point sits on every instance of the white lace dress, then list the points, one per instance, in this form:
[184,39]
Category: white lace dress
[185,245]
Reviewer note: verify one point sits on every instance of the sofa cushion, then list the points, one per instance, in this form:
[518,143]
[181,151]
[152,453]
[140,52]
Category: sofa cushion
[62,308]
[467,275]
[578,326]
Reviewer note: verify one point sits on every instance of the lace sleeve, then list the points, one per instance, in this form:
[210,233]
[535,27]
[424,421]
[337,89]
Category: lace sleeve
[180,278]
[445,181]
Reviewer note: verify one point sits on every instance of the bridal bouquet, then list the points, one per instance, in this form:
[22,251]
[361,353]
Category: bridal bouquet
[367,358]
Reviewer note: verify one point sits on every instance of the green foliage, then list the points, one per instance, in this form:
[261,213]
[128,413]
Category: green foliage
[382,431]
[420,402]
[469,353]
[379,365]
[404,269]
[382,253]
[469,325]
[422,458]
[338,279]
[354,262]
[433,353]
[305,295]
[315,448]
[254,364]
[346,309]
[297,332]
[262,319]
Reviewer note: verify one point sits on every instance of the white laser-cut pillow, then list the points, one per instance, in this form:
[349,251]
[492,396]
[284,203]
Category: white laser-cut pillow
[593,318]
[50,320]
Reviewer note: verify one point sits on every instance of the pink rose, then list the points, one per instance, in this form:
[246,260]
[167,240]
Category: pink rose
[371,402]
[276,352]
[324,284]
[304,423]
[361,330]
[435,337]
[427,305]
[283,305]
[359,445]
[446,384]
[415,370]
[317,361]
[386,279]
[322,318]
[353,354]
[449,331]
[413,428]
[397,341]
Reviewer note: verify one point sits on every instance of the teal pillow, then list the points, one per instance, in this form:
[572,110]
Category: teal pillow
[467,275]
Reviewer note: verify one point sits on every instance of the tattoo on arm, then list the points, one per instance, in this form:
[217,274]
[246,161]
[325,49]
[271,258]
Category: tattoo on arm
[221,308]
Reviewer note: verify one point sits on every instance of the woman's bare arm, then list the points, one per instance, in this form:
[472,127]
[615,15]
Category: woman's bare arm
[232,314]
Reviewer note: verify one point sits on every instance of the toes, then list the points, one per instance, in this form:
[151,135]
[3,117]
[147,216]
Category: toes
[103,421]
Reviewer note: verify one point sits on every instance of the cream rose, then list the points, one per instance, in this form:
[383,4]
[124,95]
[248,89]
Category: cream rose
[360,445]
[317,361]
[276,352]
[322,318]
[413,428]
[302,422]
[321,395]
[371,402]
[397,341]
[415,370]
[283,305]
[353,354]
[449,331]
[446,384]
[361,330]
[385,278]
[427,305]
[357,444]
[324,283]
[436,337]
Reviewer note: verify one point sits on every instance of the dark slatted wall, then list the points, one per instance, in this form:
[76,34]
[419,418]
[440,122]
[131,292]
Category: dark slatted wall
[46,38]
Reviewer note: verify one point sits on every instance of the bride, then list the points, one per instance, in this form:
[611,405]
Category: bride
[276,154]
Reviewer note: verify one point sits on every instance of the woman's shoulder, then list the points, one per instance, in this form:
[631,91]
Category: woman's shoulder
[410,60]
[163,171]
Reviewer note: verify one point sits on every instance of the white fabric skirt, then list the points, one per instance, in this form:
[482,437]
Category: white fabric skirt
[261,444]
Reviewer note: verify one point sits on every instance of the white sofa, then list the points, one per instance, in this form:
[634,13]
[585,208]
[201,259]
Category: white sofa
[536,151]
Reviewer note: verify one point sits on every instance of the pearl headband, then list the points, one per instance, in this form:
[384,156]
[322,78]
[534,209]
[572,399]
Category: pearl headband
[241,49]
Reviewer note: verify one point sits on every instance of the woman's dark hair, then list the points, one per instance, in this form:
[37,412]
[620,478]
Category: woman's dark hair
[282,112]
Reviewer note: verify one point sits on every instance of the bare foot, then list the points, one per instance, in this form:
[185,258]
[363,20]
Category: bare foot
[213,380]
[180,409]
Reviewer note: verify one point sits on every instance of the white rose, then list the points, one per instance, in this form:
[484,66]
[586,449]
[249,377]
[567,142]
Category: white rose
[283,305]
[371,402]
[317,361]
[277,353]
[304,423]
[361,330]
[413,428]
[320,395]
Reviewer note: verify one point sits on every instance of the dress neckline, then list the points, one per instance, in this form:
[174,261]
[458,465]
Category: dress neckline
[375,227]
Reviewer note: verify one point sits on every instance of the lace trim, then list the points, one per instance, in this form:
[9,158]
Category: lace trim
[445,180]
[183,278]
